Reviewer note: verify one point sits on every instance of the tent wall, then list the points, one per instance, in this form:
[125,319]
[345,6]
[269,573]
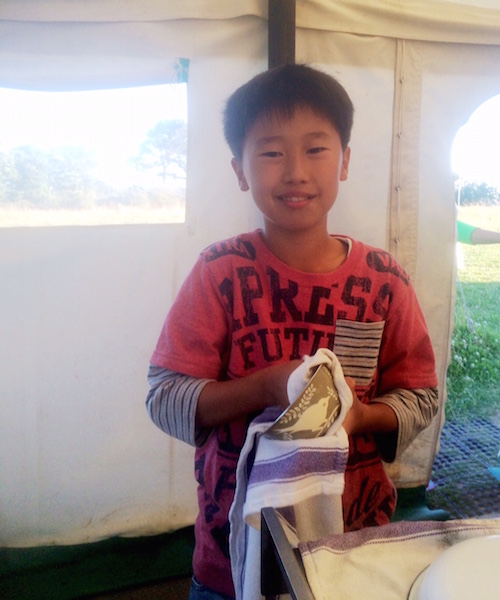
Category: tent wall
[81,308]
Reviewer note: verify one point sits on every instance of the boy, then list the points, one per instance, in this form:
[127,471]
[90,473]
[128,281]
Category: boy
[254,305]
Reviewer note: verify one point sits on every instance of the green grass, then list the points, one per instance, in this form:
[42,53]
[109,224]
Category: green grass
[473,380]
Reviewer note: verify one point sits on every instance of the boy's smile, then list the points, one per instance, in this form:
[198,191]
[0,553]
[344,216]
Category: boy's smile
[293,166]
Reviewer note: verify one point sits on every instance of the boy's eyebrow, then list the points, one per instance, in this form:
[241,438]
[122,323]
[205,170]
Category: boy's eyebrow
[269,139]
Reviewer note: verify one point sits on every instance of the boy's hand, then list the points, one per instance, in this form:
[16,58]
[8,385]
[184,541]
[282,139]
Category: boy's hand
[267,387]
[354,418]
[275,382]
[374,417]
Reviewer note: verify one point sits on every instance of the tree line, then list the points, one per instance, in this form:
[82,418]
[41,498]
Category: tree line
[468,193]
[64,177]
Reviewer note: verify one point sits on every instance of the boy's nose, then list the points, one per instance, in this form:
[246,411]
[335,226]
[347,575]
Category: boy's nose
[295,167]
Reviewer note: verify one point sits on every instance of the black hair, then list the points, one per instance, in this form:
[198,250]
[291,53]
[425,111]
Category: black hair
[279,91]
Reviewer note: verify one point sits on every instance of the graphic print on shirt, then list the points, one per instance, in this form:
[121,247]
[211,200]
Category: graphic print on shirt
[368,500]
[300,322]
[219,483]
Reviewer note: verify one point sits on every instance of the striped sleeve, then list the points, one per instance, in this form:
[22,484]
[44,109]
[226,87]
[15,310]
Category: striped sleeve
[172,401]
[415,410]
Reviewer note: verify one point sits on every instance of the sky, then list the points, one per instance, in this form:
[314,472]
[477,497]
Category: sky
[113,123]
[476,150]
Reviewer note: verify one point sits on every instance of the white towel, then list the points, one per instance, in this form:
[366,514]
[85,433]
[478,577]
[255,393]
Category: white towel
[304,478]
[381,563]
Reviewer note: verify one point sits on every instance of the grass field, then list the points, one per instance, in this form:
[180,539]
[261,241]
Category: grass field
[474,374]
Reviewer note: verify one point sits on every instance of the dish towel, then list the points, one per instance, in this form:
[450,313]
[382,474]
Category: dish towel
[382,563]
[303,478]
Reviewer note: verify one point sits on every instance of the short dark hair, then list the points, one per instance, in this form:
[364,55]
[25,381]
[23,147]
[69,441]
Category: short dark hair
[280,91]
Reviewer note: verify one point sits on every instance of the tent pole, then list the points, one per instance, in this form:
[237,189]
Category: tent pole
[281,32]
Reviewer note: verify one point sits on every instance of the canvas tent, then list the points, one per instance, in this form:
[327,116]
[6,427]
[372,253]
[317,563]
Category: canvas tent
[81,307]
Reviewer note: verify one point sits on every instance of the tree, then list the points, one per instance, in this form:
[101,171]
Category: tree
[72,183]
[475,193]
[30,182]
[60,177]
[164,148]
[7,177]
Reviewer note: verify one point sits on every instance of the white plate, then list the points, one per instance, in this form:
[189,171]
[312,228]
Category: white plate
[464,571]
[416,585]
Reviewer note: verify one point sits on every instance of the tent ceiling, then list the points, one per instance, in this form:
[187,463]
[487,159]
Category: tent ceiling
[465,21]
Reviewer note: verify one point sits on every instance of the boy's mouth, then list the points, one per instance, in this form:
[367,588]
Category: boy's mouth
[294,199]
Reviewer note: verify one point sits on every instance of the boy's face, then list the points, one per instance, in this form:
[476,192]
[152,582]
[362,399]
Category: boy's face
[292,168]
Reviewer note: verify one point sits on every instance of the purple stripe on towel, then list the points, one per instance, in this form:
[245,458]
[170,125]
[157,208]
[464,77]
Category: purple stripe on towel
[393,532]
[300,464]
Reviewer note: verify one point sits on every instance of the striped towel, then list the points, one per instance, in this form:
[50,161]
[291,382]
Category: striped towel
[382,563]
[302,478]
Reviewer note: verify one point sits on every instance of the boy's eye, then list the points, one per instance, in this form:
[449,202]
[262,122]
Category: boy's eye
[316,150]
[271,153]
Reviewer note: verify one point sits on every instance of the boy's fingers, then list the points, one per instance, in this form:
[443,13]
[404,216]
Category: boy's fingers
[351,383]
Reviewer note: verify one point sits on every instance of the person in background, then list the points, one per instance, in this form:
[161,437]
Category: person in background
[254,305]
[470,234]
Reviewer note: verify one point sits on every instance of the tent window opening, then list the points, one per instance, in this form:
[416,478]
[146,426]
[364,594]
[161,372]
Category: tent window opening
[93,157]
[473,377]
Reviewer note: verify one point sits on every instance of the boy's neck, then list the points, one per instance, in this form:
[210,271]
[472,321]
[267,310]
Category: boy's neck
[310,254]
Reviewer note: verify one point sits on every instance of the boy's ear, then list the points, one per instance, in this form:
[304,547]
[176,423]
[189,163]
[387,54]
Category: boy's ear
[344,170]
[237,168]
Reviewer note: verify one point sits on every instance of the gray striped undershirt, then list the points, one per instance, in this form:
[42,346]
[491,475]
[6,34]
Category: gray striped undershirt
[172,401]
